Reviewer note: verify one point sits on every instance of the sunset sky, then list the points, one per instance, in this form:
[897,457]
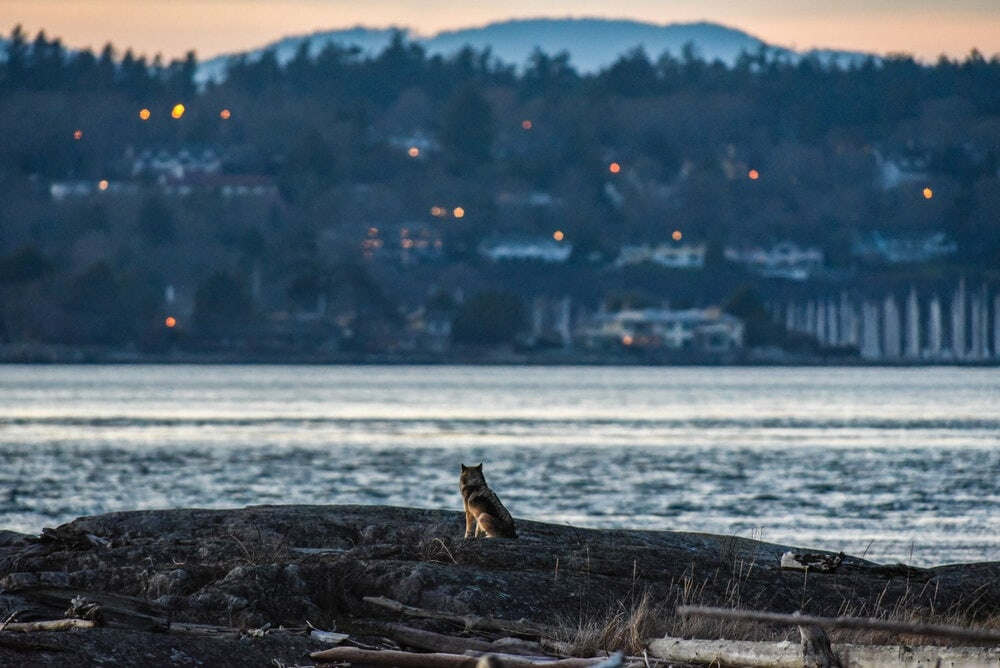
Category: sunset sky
[922,28]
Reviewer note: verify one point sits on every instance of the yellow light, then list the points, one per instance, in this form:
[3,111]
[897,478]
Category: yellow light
[928,193]
[78,135]
[558,235]
[144,114]
[170,322]
[614,168]
[413,152]
[102,184]
[526,124]
[225,114]
[677,236]
[177,111]
[459,212]
[753,174]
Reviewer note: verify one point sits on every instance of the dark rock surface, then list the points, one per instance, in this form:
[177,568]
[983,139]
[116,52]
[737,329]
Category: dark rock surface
[294,566]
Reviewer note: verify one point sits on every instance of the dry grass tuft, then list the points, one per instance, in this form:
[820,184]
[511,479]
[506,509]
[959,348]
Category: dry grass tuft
[626,627]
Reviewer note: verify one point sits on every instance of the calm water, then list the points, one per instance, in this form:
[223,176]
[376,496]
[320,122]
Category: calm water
[893,464]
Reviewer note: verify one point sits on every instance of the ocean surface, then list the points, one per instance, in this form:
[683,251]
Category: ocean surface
[893,464]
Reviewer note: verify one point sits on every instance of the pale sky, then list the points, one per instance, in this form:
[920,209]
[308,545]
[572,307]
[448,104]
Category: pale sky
[922,28]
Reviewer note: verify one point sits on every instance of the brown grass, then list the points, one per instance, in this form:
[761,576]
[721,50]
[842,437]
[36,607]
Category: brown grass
[626,627]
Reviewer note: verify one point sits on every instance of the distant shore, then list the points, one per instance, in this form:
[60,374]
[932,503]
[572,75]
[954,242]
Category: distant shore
[58,354]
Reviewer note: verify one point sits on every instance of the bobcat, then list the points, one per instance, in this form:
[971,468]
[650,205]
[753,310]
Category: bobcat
[483,507]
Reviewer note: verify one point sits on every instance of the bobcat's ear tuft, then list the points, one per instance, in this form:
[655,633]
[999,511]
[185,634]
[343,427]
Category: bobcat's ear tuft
[464,467]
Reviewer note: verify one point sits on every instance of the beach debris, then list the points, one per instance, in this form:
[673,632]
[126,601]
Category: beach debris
[259,632]
[813,562]
[83,608]
[328,637]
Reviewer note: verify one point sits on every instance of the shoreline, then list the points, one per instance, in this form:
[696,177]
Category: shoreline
[42,355]
[292,567]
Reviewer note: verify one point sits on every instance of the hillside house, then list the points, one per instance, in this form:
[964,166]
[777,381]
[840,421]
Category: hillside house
[784,260]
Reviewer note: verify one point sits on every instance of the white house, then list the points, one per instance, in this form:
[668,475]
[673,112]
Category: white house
[697,330]
[783,260]
[527,250]
[672,255]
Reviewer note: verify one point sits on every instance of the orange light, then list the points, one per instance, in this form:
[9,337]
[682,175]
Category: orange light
[78,135]
[144,114]
[438,212]
[614,168]
[627,340]
[102,184]
[177,111]
[459,212]
[413,152]
[928,193]
[677,236]
[170,322]
[526,124]
[753,174]
[558,235]
[225,114]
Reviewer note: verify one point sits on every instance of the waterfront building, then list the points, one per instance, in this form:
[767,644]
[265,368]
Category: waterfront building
[891,330]
[871,348]
[912,325]
[935,330]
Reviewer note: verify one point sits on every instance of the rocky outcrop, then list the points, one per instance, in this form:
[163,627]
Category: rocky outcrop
[259,569]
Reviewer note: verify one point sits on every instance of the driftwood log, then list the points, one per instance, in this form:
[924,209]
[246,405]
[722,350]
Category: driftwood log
[815,651]
[51,625]
[400,659]
[865,624]
[787,654]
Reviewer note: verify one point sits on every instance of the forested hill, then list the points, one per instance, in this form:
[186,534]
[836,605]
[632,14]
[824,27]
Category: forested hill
[289,183]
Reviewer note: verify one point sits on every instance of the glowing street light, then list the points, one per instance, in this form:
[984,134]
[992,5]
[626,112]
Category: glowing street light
[177,111]
[753,175]
[526,124]
[225,114]
[677,236]
[170,322]
[614,168]
[928,193]
[558,235]
[78,135]
[144,114]
[459,212]
[413,152]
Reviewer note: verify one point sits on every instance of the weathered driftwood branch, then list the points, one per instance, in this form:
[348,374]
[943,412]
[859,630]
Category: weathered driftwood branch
[468,621]
[54,625]
[185,628]
[867,624]
[438,642]
[439,660]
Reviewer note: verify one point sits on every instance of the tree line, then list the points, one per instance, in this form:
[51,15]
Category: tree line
[332,130]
